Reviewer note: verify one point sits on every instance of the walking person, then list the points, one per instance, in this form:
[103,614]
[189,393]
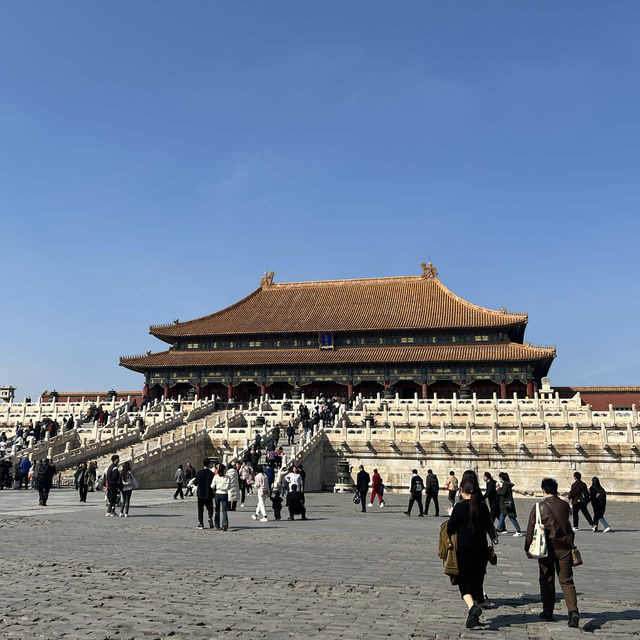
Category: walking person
[599,503]
[504,489]
[471,521]
[362,486]
[376,488]
[44,481]
[129,483]
[112,482]
[416,487]
[179,475]
[25,466]
[554,513]
[204,492]
[234,488]
[246,479]
[452,486]
[491,497]
[93,475]
[81,481]
[262,487]
[579,498]
[433,488]
[189,474]
[221,486]
[291,432]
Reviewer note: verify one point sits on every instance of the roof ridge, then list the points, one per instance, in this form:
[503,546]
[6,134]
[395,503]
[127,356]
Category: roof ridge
[501,312]
[343,281]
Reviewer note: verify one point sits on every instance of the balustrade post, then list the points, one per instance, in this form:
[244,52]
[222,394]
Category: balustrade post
[367,431]
[634,414]
[603,432]
[576,433]
[467,431]
[629,433]
[547,434]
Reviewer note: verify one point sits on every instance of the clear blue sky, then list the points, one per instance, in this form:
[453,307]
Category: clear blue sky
[155,157]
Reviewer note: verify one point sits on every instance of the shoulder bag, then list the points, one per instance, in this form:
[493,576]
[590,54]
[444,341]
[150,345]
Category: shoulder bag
[538,547]
[576,558]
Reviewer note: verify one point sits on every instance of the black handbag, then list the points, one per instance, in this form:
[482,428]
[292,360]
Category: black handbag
[356,498]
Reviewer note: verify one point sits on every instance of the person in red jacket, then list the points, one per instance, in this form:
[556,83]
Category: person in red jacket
[377,488]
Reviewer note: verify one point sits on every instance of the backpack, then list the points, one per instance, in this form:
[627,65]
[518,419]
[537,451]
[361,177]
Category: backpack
[444,542]
[583,496]
[418,485]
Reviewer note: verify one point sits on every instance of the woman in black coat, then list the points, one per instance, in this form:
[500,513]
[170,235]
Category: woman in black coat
[470,519]
[599,503]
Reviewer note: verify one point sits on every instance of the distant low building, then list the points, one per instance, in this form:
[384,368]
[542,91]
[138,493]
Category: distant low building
[600,398]
[90,396]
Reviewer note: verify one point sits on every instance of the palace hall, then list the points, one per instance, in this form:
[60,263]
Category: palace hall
[402,335]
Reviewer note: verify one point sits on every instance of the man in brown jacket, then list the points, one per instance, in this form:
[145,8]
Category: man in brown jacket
[554,513]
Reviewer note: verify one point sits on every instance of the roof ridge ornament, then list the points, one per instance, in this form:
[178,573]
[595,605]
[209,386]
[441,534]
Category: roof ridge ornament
[428,271]
[267,279]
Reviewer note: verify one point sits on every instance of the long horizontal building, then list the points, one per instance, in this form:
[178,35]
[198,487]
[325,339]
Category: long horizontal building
[407,334]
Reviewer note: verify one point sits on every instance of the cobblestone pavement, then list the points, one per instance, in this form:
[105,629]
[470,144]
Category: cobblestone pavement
[69,572]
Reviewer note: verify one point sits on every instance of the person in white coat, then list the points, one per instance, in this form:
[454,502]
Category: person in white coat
[262,489]
[234,486]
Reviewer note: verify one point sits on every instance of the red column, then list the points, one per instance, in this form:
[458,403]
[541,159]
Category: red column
[535,387]
[263,388]
[425,393]
[350,389]
[230,391]
[145,390]
[166,390]
[530,388]
[386,384]
[503,389]
[198,390]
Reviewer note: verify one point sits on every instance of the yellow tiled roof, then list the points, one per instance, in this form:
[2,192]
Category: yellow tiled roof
[411,302]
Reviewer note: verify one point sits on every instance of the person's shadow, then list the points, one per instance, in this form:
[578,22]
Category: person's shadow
[598,620]
[595,621]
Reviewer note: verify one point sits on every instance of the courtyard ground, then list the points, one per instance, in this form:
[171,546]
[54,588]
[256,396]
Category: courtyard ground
[69,572]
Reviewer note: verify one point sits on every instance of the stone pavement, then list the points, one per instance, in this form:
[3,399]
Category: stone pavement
[69,572]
